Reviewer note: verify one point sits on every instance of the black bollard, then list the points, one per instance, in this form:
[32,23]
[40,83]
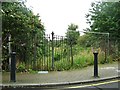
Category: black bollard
[13,67]
[95,64]
[52,50]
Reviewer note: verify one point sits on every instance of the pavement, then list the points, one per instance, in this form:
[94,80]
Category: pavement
[51,78]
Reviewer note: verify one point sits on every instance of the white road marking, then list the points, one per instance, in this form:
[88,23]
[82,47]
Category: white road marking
[108,68]
[43,72]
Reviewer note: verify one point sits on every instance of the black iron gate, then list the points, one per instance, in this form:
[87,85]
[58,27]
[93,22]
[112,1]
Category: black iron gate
[55,53]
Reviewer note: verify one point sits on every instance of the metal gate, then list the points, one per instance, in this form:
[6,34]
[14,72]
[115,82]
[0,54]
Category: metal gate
[55,53]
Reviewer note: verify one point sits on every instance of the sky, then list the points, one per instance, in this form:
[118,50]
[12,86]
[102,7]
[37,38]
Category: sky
[56,15]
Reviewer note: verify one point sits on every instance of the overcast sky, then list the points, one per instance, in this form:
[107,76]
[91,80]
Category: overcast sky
[56,15]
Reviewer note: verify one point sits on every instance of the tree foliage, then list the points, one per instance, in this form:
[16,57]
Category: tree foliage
[25,28]
[105,17]
[72,35]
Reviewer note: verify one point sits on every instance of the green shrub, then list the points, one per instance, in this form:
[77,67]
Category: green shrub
[57,57]
[62,65]
[31,71]
[101,57]
[109,59]
[21,67]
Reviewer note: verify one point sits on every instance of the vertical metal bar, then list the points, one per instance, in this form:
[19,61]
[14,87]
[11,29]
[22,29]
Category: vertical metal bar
[71,55]
[59,46]
[41,53]
[34,62]
[47,50]
[52,50]
[44,51]
[49,63]
[108,45]
[95,64]
[66,49]
[105,50]
[55,41]
[13,67]
[9,48]
[118,47]
[62,47]
[28,58]
[69,42]
[32,51]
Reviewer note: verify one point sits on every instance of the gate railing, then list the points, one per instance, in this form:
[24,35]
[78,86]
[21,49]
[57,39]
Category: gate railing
[55,54]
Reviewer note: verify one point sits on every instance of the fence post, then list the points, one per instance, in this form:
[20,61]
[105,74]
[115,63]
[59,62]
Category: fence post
[13,67]
[52,50]
[71,53]
[95,63]
[9,48]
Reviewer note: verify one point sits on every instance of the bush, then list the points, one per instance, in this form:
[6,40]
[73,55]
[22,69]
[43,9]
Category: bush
[83,59]
[21,68]
[57,57]
[101,57]
[62,65]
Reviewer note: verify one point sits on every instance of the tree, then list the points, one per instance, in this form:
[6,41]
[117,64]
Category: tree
[105,17]
[23,26]
[72,35]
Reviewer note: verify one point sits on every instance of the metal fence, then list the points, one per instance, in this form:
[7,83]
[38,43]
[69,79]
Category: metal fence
[55,53]
[59,53]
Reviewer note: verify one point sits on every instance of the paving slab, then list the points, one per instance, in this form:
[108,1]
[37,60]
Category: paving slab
[106,71]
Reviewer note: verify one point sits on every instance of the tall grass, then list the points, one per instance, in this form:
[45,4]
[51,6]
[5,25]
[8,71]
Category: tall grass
[62,65]
[82,57]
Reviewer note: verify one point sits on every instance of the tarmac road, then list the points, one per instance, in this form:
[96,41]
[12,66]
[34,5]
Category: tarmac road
[103,85]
